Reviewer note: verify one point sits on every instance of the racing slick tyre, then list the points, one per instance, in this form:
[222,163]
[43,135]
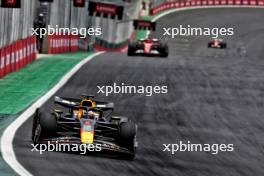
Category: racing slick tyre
[223,45]
[164,50]
[127,130]
[43,126]
[131,49]
[48,124]
[35,128]
[127,139]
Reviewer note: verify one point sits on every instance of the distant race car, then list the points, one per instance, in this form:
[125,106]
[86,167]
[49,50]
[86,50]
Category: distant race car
[87,121]
[148,46]
[217,43]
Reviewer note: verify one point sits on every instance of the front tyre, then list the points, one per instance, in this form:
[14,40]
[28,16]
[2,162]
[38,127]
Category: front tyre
[224,45]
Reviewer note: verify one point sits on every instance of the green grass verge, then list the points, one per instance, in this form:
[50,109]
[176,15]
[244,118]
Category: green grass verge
[19,89]
[147,17]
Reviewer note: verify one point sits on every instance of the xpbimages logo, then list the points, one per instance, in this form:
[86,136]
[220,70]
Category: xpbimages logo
[82,32]
[191,147]
[197,31]
[131,89]
[65,147]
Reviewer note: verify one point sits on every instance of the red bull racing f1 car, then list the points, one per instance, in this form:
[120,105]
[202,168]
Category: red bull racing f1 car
[85,121]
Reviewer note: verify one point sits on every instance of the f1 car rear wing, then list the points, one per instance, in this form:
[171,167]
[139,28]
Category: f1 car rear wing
[144,24]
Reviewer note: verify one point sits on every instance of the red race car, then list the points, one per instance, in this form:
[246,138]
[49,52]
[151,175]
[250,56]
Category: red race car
[148,46]
[217,43]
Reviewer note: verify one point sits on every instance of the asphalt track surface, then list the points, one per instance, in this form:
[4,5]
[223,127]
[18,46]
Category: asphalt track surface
[215,96]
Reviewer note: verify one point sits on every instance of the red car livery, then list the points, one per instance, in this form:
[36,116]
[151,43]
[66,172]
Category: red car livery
[148,46]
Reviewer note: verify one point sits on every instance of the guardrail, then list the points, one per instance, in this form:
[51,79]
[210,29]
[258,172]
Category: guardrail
[181,4]
[17,55]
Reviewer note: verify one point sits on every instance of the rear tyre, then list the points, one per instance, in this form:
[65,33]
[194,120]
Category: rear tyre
[48,125]
[127,139]
[127,130]
[164,50]
[43,126]
[35,124]
[131,49]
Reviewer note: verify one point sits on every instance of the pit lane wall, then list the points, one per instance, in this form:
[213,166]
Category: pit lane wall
[180,4]
[17,46]
[17,54]
[16,23]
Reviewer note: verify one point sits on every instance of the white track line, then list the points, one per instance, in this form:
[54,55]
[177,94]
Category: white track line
[7,138]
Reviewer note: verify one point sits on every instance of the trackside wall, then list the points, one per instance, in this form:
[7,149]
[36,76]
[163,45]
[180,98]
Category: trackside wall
[117,33]
[17,46]
[180,4]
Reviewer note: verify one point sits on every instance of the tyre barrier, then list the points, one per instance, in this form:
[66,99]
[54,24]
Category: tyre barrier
[62,43]
[180,4]
[17,55]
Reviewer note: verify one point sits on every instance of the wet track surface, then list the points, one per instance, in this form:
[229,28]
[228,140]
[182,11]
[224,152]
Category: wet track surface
[214,96]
